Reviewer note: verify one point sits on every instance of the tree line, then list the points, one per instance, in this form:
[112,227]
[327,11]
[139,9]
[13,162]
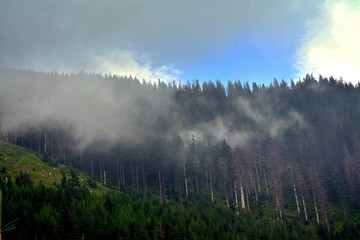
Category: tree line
[295,144]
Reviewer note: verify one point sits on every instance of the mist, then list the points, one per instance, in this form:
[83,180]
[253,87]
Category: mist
[110,109]
[262,121]
[92,107]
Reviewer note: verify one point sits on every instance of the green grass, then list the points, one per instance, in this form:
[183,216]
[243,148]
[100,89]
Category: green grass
[17,160]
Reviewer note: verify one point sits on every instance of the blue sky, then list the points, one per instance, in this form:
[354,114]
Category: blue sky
[251,60]
[254,41]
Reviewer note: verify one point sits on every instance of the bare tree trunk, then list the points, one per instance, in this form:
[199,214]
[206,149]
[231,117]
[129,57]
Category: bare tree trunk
[64,149]
[207,181]
[266,185]
[58,146]
[117,173]
[327,223]
[144,179]
[258,179]
[30,141]
[236,199]
[92,167]
[123,172]
[15,136]
[132,175]
[278,207]
[81,159]
[211,188]
[256,194]
[160,188]
[163,191]
[317,213]
[247,198]
[226,195]
[45,140]
[242,196]
[344,210]
[305,212]
[137,177]
[197,183]
[101,170]
[39,146]
[296,199]
[186,185]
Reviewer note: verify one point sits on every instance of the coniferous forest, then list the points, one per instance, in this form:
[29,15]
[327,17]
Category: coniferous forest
[201,160]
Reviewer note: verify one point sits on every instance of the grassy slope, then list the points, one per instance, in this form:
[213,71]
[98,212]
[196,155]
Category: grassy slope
[17,160]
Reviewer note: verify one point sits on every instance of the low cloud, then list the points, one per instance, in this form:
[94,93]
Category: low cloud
[91,107]
[215,131]
[265,118]
[96,109]
[261,121]
[331,43]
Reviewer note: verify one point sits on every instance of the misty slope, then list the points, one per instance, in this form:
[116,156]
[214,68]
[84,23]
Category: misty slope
[296,146]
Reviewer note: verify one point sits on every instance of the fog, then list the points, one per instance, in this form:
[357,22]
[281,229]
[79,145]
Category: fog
[111,109]
[262,116]
[91,106]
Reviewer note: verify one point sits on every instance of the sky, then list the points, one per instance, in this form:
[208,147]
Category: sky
[254,41]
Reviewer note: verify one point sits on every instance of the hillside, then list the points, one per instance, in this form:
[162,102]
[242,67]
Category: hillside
[151,217]
[41,169]
[284,156]
[66,209]
[16,160]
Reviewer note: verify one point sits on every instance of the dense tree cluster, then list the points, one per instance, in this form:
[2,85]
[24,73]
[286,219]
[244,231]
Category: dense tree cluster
[297,145]
[59,213]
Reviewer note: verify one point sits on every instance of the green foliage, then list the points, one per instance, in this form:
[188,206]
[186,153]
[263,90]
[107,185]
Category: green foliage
[23,180]
[53,213]
[48,222]
[15,160]
[51,161]
[0,209]
[305,135]
[92,183]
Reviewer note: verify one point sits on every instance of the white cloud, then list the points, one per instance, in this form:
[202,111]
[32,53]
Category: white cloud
[331,45]
[126,63]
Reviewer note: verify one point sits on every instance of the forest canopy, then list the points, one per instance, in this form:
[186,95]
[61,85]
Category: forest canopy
[295,144]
